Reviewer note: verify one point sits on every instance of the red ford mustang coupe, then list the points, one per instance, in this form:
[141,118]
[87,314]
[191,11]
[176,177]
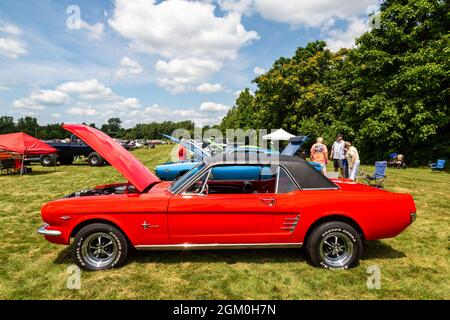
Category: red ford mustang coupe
[222,203]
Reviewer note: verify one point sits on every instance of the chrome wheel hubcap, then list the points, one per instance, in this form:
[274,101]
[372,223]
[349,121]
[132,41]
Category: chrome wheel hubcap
[336,249]
[99,249]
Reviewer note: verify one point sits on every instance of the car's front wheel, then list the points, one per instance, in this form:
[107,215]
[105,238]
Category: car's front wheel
[99,246]
[334,245]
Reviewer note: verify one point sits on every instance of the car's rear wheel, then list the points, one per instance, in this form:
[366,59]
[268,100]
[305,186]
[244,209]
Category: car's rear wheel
[334,245]
[95,160]
[47,160]
[100,246]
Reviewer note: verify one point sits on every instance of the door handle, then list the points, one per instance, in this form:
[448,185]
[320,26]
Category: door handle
[268,201]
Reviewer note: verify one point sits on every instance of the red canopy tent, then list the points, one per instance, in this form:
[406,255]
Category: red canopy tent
[25,145]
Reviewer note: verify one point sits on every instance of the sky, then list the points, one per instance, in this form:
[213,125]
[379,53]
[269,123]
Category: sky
[148,60]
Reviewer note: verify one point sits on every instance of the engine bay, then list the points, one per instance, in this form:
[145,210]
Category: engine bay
[104,191]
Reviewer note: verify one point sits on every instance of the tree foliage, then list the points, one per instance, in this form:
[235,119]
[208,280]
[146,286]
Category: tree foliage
[388,94]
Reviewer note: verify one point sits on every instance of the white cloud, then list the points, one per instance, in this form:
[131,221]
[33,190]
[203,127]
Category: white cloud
[89,90]
[42,99]
[56,115]
[4,88]
[84,98]
[157,113]
[240,6]
[209,88]
[130,103]
[178,75]
[311,13]
[346,38]
[192,40]
[258,71]
[128,67]
[76,111]
[95,31]
[10,29]
[27,104]
[12,48]
[213,107]
[49,97]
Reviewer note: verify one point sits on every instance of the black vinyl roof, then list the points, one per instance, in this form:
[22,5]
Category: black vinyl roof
[304,174]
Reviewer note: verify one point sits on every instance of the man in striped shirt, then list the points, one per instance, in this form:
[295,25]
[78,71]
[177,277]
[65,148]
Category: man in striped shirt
[338,155]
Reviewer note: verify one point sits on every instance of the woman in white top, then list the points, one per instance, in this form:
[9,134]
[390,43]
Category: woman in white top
[352,159]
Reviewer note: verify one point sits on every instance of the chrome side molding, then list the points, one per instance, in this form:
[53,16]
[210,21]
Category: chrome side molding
[217,246]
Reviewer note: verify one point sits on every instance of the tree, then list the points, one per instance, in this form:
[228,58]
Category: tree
[388,94]
[242,114]
[28,125]
[7,125]
[113,127]
[401,81]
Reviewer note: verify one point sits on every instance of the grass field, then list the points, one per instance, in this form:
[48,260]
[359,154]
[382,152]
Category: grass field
[414,265]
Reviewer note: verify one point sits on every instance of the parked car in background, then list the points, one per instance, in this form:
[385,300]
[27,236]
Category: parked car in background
[173,170]
[152,143]
[269,202]
[69,149]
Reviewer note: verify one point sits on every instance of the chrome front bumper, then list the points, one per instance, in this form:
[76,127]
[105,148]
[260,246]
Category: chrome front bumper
[43,230]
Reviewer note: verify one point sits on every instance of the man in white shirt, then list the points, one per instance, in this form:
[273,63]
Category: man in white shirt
[352,159]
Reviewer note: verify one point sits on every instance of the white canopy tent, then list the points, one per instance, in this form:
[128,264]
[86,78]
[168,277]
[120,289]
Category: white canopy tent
[278,135]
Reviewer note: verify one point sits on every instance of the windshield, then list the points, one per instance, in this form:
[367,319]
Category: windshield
[178,183]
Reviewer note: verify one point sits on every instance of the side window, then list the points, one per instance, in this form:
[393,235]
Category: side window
[237,179]
[285,183]
[199,186]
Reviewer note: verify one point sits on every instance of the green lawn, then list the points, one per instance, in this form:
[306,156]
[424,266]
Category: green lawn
[414,265]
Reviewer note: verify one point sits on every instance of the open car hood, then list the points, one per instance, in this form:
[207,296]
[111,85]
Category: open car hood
[295,143]
[130,167]
[199,153]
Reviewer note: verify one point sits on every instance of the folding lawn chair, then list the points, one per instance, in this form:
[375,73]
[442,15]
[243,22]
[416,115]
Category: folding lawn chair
[378,177]
[438,166]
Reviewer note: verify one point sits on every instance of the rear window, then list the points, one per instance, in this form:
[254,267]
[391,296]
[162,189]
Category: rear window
[309,178]
[285,183]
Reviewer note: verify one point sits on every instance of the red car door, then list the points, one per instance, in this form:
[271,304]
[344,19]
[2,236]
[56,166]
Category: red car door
[221,216]
[289,207]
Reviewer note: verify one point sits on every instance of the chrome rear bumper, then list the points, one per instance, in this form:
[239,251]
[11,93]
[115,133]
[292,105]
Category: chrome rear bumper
[43,231]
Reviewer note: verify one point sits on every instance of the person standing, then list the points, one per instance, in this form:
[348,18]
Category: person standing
[338,154]
[182,153]
[319,154]
[352,159]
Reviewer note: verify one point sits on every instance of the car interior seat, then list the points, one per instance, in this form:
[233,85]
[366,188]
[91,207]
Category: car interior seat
[248,187]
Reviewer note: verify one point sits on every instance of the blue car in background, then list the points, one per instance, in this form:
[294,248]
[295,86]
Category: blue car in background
[173,170]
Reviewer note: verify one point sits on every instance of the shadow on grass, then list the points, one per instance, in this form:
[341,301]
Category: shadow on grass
[227,256]
[380,250]
[372,250]
[217,256]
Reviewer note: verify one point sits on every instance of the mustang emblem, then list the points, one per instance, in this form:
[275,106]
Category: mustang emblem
[146,225]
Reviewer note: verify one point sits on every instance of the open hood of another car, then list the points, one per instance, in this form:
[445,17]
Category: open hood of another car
[130,167]
[294,145]
[199,153]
